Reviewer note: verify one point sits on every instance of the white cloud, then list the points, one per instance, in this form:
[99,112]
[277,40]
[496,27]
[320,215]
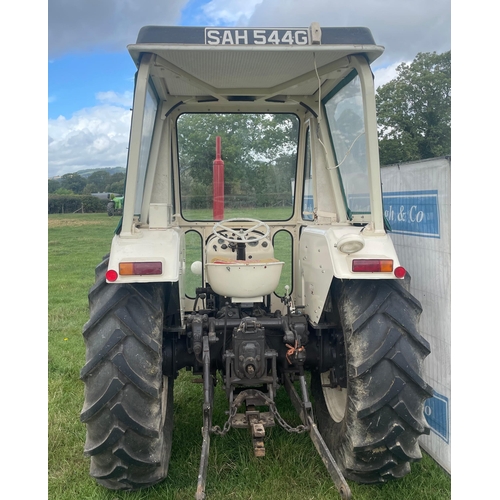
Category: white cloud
[237,12]
[92,138]
[385,75]
[404,28]
[111,97]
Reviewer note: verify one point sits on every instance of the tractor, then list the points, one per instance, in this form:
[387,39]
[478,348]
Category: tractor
[115,205]
[253,249]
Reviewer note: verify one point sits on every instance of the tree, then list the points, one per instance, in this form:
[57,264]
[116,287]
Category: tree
[53,185]
[91,188]
[116,183]
[259,153]
[100,179]
[63,191]
[414,110]
[116,187]
[74,182]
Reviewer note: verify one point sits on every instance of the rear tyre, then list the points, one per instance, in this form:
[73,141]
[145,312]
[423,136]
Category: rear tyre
[110,209]
[372,426]
[128,407]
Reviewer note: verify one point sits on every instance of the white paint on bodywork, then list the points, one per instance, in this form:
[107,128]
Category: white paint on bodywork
[165,246]
[321,261]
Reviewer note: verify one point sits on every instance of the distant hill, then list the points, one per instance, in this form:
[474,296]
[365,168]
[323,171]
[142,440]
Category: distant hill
[85,173]
[111,171]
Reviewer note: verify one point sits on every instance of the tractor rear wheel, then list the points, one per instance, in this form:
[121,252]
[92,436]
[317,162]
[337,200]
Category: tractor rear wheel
[128,407]
[372,426]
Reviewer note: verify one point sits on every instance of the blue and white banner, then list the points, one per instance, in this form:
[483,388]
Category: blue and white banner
[417,205]
[413,212]
[437,414]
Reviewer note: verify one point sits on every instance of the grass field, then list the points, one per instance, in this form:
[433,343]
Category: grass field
[291,469]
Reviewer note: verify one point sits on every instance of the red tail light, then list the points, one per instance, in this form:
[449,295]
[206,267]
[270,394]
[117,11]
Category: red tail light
[372,265]
[111,275]
[400,272]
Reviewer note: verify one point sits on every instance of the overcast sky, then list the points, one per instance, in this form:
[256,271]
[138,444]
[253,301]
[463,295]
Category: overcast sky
[91,74]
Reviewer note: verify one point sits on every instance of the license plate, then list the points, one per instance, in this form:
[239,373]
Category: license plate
[245,36]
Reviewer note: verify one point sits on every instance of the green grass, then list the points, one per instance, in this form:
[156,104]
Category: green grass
[291,468]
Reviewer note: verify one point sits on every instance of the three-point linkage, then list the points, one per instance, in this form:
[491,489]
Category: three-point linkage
[251,381]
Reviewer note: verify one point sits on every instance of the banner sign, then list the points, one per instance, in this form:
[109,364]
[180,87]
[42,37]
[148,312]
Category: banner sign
[413,212]
[436,412]
[417,205]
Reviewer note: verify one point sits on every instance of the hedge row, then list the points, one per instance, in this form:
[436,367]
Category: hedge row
[69,204]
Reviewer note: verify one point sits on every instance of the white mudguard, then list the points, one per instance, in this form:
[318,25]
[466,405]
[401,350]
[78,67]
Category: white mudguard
[166,246]
[320,260]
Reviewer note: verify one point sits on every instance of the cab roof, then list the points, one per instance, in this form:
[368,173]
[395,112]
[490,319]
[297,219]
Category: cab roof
[250,63]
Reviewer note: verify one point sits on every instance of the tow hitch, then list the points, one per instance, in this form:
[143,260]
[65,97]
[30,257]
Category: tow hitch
[257,421]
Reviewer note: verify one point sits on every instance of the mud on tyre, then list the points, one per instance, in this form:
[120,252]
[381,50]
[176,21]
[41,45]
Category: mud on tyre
[372,426]
[128,408]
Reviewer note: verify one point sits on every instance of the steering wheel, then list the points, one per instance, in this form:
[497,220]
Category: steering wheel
[242,234]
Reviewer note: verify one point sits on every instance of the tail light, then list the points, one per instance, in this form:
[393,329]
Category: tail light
[135,269]
[140,268]
[372,265]
[377,266]
[111,275]
[400,272]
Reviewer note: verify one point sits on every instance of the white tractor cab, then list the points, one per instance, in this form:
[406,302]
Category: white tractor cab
[253,206]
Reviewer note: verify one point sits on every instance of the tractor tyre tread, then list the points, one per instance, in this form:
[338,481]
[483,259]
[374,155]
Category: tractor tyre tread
[378,437]
[128,408]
